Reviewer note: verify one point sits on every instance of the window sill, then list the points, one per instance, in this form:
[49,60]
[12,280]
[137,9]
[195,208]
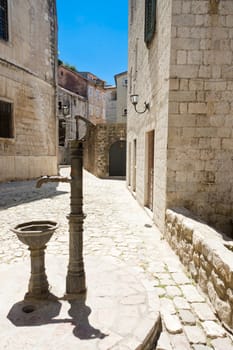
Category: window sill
[7,140]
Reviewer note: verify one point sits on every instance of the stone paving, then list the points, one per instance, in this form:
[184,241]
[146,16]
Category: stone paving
[117,227]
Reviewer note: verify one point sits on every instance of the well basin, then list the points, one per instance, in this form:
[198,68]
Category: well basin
[35,234]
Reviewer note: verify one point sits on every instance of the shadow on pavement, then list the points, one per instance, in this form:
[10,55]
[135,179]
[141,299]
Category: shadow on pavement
[25,313]
[80,312]
[19,192]
[37,313]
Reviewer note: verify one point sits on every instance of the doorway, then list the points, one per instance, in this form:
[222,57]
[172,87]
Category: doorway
[150,169]
[117,159]
[134,170]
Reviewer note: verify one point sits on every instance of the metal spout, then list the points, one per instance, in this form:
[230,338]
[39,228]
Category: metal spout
[45,179]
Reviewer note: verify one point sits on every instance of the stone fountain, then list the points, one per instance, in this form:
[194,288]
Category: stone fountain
[36,234]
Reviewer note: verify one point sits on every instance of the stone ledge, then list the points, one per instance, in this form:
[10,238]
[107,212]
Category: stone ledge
[203,252]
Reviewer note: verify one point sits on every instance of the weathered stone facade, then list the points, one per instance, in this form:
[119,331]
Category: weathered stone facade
[185,73]
[28,83]
[97,147]
[205,254]
[96,98]
[111,104]
[71,80]
[70,105]
[105,149]
[121,80]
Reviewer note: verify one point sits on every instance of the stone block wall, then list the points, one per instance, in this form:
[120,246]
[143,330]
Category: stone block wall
[28,72]
[148,76]
[202,251]
[200,133]
[96,149]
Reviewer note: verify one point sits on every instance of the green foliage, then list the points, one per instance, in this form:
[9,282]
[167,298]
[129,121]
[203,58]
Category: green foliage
[67,65]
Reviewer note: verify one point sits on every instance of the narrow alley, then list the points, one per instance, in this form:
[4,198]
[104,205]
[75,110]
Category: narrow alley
[116,227]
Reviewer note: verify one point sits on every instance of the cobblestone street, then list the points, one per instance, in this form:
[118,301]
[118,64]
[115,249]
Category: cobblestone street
[116,226]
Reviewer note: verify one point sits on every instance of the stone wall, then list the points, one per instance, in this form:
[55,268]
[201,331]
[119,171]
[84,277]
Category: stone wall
[96,149]
[28,81]
[200,142]
[201,249]
[186,76]
[148,73]
[73,81]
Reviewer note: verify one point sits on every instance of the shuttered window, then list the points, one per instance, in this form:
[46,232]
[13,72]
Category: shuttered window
[6,119]
[3,20]
[150,20]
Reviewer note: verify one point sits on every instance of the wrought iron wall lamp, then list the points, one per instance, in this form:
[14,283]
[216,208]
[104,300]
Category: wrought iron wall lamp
[134,101]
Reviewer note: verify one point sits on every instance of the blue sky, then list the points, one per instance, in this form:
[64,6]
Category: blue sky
[92,35]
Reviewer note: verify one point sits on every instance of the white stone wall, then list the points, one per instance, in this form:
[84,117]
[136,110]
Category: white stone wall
[110,102]
[187,77]
[200,138]
[121,85]
[148,76]
[27,79]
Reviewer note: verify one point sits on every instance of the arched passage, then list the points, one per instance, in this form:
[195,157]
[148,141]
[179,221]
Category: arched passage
[117,159]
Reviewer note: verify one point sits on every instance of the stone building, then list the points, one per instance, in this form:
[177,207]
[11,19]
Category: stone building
[180,149]
[105,152]
[106,108]
[96,98]
[70,105]
[121,81]
[72,80]
[28,56]
[111,103]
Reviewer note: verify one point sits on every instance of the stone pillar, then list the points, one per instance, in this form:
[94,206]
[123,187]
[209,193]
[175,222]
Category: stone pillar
[75,280]
[38,284]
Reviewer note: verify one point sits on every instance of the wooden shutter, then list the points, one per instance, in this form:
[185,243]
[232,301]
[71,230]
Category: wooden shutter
[150,20]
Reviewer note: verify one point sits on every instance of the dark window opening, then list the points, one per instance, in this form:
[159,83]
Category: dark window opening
[3,20]
[113,95]
[150,20]
[62,132]
[6,119]
[59,105]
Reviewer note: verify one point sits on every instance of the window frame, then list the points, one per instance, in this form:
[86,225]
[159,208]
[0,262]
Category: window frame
[4,26]
[11,129]
[150,20]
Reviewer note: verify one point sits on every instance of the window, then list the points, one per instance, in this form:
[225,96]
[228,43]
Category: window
[124,114]
[113,95]
[3,20]
[124,82]
[90,91]
[150,20]
[6,119]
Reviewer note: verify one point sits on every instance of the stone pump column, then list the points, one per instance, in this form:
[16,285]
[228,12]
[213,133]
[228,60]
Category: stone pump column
[75,280]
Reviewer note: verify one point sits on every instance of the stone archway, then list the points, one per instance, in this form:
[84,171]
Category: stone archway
[117,159]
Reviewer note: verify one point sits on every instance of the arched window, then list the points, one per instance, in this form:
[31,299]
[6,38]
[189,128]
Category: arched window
[3,20]
[150,20]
